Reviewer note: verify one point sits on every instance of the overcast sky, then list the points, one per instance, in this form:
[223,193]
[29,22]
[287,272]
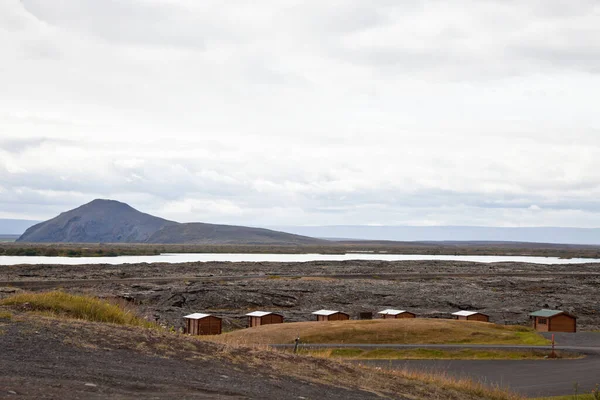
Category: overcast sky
[304,112]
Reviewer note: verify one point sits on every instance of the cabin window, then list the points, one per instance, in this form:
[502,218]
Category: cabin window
[542,321]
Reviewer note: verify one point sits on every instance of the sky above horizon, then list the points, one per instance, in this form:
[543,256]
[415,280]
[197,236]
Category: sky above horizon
[471,112]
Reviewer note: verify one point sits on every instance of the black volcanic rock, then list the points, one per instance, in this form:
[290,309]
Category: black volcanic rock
[109,221]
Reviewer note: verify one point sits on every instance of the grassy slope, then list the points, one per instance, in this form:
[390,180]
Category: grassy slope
[131,334]
[277,365]
[78,307]
[407,331]
[434,354]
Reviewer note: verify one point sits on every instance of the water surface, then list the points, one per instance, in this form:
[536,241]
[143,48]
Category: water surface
[247,257]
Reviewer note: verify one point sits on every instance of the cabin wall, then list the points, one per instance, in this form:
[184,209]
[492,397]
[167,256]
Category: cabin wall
[210,326]
[271,319]
[339,317]
[205,326]
[478,317]
[562,323]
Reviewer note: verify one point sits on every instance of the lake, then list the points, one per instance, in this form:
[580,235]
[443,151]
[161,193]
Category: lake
[247,257]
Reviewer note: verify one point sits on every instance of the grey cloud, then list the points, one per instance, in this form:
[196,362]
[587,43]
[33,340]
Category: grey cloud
[40,50]
[123,21]
[315,113]
[14,145]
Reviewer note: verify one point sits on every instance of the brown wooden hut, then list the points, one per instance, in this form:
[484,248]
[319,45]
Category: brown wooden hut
[202,324]
[396,314]
[553,321]
[330,315]
[471,316]
[258,318]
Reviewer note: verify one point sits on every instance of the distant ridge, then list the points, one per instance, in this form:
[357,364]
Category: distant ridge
[110,221]
[551,235]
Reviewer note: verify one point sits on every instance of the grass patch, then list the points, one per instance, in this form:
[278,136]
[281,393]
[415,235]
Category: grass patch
[75,306]
[384,331]
[5,315]
[433,354]
[465,385]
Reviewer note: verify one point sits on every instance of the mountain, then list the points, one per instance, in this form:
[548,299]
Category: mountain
[101,221]
[110,221]
[225,234]
[562,235]
[15,226]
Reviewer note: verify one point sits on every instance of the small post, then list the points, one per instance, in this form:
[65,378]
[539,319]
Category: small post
[296,342]
[553,355]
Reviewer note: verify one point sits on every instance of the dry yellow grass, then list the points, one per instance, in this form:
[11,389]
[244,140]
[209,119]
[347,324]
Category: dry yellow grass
[75,306]
[382,331]
[433,354]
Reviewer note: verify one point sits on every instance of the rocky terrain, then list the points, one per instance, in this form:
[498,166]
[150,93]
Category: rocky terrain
[166,292]
[49,358]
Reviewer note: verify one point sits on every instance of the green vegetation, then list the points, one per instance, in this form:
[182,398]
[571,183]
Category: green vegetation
[432,354]
[75,306]
[384,331]
[594,395]
[65,250]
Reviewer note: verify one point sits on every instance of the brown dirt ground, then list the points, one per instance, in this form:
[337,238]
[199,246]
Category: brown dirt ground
[49,358]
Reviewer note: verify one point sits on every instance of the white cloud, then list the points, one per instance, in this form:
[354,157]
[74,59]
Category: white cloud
[278,113]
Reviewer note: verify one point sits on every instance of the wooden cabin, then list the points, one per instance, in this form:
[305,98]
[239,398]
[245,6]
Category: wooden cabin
[396,314]
[471,316]
[202,324]
[553,321]
[258,318]
[330,315]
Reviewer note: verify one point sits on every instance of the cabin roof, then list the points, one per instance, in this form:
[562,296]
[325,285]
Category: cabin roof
[197,316]
[548,313]
[325,312]
[464,313]
[258,313]
[391,311]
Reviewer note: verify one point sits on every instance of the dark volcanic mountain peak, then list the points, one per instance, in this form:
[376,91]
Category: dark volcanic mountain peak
[106,203]
[110,221]
[99,221]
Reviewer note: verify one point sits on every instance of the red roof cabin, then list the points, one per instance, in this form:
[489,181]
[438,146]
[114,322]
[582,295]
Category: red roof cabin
[471,316]
[258,318]
[330,315]
[553,321]
[202,324]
